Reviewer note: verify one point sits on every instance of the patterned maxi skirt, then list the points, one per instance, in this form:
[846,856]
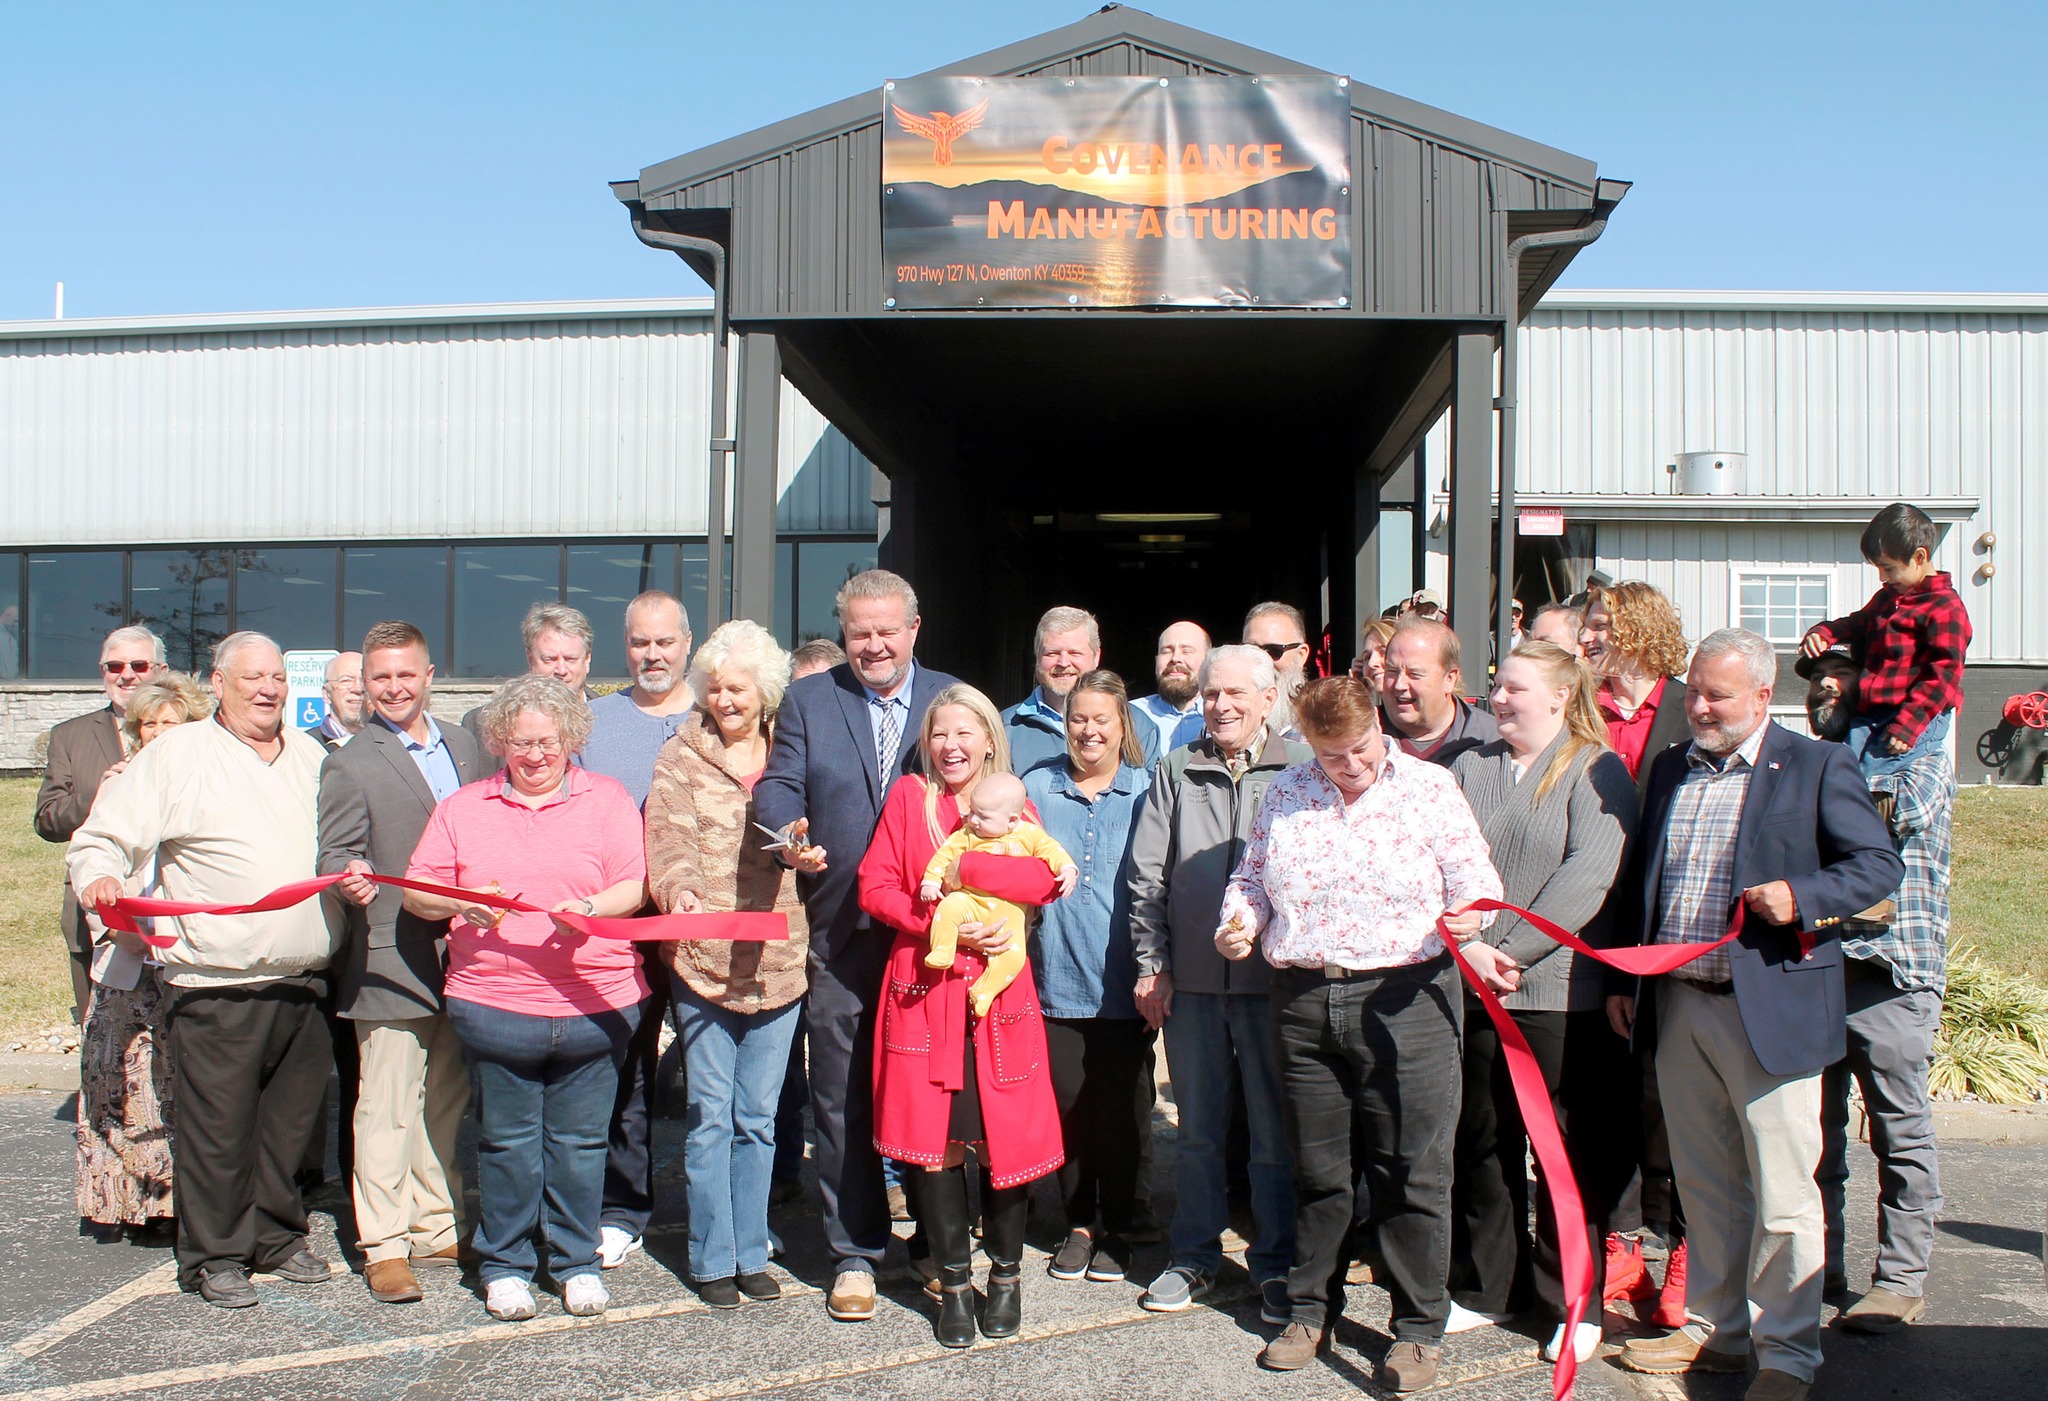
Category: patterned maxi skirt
[124,1106]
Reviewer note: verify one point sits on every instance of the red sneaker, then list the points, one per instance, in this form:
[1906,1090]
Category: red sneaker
[1626,1277]
[1670,1311]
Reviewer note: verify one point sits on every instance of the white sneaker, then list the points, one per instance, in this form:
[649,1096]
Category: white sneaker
[614,1245]
[510,1300]
[585,1295]
[1464,1320]
[1586,1343]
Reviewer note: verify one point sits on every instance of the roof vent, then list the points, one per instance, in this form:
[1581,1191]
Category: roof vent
[1708,473]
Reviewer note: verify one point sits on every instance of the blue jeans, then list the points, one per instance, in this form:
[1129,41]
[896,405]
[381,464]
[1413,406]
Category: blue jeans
[736,1062]
[545,1087]
[1873,759]
[1204,1032]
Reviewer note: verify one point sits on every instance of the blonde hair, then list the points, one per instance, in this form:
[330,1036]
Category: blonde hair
[984,711]
[1380,630]
[1644,626]
[166,688]
[1585,729]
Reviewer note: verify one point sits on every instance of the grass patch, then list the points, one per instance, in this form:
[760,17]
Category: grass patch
[1999,878]
[35,977]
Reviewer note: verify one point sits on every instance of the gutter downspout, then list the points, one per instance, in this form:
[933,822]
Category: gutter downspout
[1607,194]
[722,444]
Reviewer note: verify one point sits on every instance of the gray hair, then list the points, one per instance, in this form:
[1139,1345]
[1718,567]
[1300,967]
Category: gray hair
[545,696]
[224,650]
[555,617]
[1275,609]
[136,632]
[1263,675]
[1759,657]
[649,597]
[747,646]
[875,583]
[1064,619]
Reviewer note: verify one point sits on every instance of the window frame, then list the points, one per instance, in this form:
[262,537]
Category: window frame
[1806,573]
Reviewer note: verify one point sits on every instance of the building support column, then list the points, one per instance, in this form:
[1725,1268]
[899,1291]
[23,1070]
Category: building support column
[754,487]
[1471,510]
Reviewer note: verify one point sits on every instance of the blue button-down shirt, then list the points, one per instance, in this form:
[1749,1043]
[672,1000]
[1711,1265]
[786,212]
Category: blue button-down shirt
[436,762]
[879,705]
[1081,952]
[1173,727]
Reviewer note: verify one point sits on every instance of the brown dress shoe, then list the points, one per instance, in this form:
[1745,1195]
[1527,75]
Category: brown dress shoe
[852,1299]
[1676,1352]
[1294,1349]
[1409,1366]
[1774,1385]
[1882,1311]
[392,1282]
[448,1257]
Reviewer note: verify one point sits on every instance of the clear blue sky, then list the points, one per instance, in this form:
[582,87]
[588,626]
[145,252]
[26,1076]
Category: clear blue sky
[214,157]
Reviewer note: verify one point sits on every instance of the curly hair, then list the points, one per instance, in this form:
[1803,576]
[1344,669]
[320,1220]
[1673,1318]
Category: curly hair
[1645,627]
[544,696]
[172,689]
[746,646]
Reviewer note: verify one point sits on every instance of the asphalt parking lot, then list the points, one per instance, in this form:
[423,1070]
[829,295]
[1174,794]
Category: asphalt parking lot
[87,1320]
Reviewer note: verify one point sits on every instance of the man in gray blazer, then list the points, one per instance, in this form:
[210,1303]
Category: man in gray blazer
[83,751]
[376,794]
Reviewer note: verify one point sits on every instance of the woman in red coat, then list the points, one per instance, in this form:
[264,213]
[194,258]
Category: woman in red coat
[945,1080]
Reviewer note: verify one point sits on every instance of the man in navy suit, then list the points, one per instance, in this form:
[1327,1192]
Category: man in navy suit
[1747,812]
[842,738]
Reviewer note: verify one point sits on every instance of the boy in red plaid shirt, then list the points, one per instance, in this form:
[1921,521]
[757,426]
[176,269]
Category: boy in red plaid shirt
[1909,640]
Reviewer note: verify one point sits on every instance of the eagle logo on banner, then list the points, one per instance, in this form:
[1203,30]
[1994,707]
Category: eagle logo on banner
[940,128]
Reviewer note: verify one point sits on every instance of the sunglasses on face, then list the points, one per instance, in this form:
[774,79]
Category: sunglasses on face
[1277,650]
[133,668]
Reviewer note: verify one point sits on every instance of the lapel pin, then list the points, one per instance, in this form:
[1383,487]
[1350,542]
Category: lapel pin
[1775,764]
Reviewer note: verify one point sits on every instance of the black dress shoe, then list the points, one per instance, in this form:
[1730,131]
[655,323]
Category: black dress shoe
[1002,1314]
[303,1267]
[226,1287]
[760,1286]
[719,1293]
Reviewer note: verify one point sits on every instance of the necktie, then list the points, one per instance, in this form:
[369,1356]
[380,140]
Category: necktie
[887,735]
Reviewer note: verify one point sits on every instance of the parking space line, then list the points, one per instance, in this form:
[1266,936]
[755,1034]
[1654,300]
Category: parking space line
[161,1280]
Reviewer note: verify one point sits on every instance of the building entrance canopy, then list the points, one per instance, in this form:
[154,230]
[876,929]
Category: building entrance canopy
[1134,454]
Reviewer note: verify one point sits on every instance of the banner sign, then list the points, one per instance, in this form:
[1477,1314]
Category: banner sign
[1042,192]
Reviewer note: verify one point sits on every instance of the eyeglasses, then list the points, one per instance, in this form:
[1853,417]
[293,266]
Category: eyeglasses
[550,746]
[1277,650]
[132,668]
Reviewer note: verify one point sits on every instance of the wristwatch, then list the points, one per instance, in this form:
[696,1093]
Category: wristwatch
[589,907]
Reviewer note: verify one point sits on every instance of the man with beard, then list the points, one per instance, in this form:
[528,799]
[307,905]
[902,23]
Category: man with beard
[1176,711]
[627,731]
[1069,646]
[1279,630]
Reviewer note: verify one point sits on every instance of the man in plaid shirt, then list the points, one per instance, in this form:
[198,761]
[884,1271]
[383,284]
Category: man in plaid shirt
[1909,640]
[1894,976]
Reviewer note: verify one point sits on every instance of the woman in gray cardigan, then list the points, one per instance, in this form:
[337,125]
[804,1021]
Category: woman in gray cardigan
[1557,806]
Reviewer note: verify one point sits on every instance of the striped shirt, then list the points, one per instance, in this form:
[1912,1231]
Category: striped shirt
[1699,854]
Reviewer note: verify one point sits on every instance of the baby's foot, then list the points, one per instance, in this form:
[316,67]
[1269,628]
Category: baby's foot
[936,959]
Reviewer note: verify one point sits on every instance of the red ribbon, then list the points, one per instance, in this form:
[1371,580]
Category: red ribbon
[745,926]
[1539,1119]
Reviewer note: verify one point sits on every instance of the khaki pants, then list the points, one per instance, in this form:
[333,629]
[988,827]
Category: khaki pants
[415,1091]
[1744,1146]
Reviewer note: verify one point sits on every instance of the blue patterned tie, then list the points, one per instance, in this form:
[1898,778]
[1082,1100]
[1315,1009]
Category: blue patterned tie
[886,740]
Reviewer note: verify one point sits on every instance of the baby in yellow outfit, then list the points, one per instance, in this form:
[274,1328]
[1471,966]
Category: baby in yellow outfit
[995,824]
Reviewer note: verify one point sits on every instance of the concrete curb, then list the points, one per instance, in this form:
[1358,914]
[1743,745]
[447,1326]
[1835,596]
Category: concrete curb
[1964,1122]
[36,1070]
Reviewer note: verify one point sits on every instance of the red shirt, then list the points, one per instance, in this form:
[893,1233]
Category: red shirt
[1911,647]
[1632,735]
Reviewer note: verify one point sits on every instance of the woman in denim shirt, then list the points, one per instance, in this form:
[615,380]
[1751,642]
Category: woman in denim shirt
[1081,956]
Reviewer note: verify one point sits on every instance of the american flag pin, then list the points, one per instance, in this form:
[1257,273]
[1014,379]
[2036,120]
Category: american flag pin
[1775,764]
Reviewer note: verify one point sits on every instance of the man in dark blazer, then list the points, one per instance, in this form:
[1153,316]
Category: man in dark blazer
[376,794]
[1747,816]
[83,751]
[842,738]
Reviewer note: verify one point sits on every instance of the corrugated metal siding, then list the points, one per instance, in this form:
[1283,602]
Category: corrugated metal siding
[1894,404]
[404,431]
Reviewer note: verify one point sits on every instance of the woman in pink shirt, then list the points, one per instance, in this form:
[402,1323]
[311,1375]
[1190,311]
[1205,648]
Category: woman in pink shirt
[544,1013]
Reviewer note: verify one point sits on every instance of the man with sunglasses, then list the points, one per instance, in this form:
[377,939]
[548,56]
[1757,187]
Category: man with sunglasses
[1279,630]
[84,750]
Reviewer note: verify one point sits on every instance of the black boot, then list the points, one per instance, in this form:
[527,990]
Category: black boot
[942,1210]
[1004,1211]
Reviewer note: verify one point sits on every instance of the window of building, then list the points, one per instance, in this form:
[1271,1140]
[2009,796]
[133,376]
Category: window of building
[821,567]
[290,595]
[494,586]
[75,598]
[182,595]
[400,581]
[10,615]
[1782,604]
[604,578]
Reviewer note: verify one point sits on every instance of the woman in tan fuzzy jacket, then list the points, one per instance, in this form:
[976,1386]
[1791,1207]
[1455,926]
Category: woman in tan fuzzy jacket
[736,1003]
